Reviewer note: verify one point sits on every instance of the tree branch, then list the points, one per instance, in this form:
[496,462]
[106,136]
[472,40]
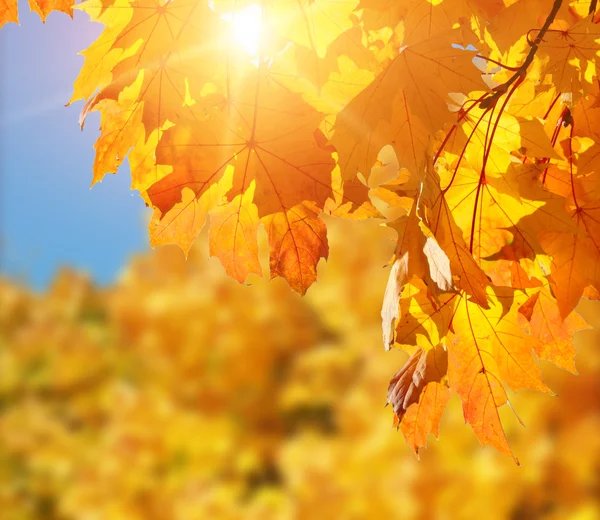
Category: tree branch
[521,72]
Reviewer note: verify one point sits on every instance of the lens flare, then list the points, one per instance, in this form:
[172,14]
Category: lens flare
[246,28]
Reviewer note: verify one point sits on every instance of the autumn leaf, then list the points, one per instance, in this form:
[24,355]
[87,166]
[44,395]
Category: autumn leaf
[184,221]
[8,12]
[390,311]
[314,25]
[233,236]
[120,129]
[166,36]
[485,349]
[423,418]
[422,368]
[554,335]
[517,19]
[270,154]
[574,267]
[471,278]
[415,111]
[423,320]
[417,255]
[9,9]
[570,52]
[44,7]
[297,240]
[422,20]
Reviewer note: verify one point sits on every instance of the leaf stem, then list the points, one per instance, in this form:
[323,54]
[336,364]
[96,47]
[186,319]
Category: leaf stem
[462,153]
[462,114]
[564,119]
[552,105]
[489,141]
[571,122]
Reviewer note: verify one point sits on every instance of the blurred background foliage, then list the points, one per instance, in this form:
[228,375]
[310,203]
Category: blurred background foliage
[178,394]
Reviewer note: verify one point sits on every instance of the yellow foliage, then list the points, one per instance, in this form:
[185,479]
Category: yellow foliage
[178,394]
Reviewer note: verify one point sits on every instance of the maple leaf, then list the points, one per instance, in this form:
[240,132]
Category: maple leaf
[285,158]
[502,217]
[9,12]
[423,320]
[233,236]
[390,310]
[44,7]
[297,241]
[417,255]
[575,261]
[423,367]
[314,25]
[423,418]
[416,85]
[513,22]
[166,34]
[96,72]
[440,217]
[569,53]
[120,129]
[9,9]
[287,162]
[422,19]
[184,221]
[417,397]
[486,348]
[586,115]
[554,335]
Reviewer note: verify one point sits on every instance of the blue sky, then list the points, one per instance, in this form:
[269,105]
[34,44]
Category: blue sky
[49,217]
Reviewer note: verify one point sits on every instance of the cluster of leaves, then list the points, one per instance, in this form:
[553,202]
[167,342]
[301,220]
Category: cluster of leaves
[119,403]
[482,119]
[9,9]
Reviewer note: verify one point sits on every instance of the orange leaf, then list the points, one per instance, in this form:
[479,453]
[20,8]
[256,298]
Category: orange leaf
[45,7]
[568,53]
[423,321]
[575,265]
[184,221]
[9,12]
[486,348]
[268,134]
[471,277]
[555,336]
[232,237]
[398,97]
[424,417]
[162,33]
[120,129]
[298,240]
[407,384]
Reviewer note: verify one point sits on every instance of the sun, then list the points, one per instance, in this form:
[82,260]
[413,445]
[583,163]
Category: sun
[246,28]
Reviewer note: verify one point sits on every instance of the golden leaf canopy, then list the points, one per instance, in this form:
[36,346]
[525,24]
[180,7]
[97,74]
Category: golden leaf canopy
[471,127]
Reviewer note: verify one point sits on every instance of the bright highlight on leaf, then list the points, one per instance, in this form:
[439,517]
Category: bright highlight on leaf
[482,117]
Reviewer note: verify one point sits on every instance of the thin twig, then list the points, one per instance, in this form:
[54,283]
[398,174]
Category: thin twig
[500,90]
[497,63]
[593,5]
